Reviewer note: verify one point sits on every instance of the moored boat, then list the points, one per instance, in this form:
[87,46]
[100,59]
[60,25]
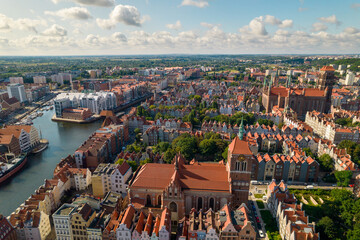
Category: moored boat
[11,167]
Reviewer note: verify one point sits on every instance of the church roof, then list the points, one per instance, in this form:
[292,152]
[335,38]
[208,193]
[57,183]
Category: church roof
[200,176]
[308,92]
[238,146]
[327,68]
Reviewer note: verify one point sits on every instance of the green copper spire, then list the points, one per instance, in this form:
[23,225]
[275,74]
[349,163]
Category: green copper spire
[241,129]
[264,86]
[288,81]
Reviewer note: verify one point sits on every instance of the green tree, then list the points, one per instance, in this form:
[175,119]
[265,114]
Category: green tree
[343,178]
[186,145]
[327,228]
[162,147]
[326,162]
[208,147]
[266,122]
[197,98]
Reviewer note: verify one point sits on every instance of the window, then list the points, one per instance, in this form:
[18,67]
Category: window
[243,166]
[173,207]
[212,203]
[237,166]
[200,203]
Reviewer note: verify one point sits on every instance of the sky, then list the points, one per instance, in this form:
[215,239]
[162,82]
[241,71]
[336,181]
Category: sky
[122,27]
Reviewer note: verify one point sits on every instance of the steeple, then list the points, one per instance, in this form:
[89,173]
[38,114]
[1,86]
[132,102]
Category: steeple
[269,89]
[264,86]
[241,129]
[288,82]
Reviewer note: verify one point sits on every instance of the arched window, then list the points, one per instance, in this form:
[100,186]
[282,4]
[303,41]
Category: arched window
[212,203]
[148,200]
[243,166]
[200,203]
[173,207]
[159,200]
[237,166]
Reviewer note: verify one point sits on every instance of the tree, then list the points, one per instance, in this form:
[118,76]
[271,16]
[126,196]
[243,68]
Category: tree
[132,164]
[208,147]
[158,116]
[326,162]
[266,122]
[197,98]
[327,226]
[352,149]
[162,147]
[186,145]
[343,178]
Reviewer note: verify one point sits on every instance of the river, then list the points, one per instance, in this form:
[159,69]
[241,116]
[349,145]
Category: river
[64,139]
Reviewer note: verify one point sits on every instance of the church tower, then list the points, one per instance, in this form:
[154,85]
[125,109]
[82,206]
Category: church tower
[239,166]
[326,82]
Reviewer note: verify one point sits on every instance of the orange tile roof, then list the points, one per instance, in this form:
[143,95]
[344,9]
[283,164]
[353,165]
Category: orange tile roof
[238,146]
[327,68]
[201,176]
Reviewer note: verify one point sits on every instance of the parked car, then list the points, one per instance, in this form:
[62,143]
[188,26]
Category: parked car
[309,187]
[257,219]
[261,234]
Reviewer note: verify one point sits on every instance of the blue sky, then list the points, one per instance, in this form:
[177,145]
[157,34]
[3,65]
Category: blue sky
[84,27]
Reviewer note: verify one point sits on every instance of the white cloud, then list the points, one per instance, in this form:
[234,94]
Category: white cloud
[120,37]
[207,25]
[351,30]
[331,19]
[79,13]
[7,23]
[99,3]
[175,26]
[55,31]
[287,23]
[128,15]
[318,26]
[195,3]
[257,26]
[105,23]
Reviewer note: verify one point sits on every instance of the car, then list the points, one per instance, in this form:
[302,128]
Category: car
[351,185]
[309,187]
[257,219]
[261,234]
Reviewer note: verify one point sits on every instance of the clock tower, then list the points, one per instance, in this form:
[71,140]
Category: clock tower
[239,164]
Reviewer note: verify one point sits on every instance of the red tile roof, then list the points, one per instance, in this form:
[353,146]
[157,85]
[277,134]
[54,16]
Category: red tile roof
[238,146]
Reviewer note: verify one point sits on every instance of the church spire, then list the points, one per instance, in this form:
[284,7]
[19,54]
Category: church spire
[241,129]
[288,82]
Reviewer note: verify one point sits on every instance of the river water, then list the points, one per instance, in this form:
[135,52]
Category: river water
[64,139]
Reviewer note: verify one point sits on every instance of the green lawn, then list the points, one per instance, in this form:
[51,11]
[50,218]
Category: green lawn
[260,204]
[270,225]
[258,195]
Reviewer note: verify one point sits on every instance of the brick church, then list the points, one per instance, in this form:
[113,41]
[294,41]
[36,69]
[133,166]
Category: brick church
[199,185]
[301,100]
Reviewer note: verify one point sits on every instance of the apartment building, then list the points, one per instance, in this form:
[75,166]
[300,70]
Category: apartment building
[31,225]
[7,232]
[111,177]
[96,102]
[291,219]
[62,221]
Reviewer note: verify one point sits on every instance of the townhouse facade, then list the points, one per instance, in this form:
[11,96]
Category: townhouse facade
[110,177]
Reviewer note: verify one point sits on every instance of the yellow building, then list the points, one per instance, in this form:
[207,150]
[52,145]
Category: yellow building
[80,221]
